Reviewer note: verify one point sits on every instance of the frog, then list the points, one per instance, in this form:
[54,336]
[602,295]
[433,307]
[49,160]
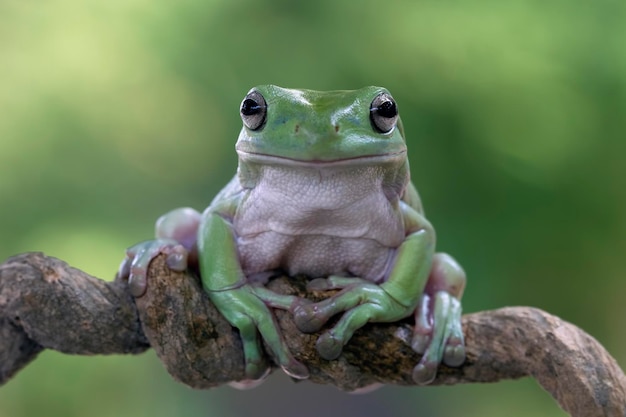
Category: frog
[322,189]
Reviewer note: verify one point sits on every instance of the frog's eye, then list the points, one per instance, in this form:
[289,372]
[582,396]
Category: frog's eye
[383,113]
[253,110]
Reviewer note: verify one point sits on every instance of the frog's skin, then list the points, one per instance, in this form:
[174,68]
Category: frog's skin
[322,190]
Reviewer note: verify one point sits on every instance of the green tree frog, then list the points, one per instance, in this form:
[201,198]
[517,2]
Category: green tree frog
[322,189]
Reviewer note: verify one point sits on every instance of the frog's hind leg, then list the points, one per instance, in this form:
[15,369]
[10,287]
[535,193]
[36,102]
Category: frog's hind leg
[438,334]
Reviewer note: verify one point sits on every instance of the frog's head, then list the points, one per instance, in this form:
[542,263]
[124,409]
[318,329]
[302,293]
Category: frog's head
[306,127]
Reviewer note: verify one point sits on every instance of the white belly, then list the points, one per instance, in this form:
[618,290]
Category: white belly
[319,224]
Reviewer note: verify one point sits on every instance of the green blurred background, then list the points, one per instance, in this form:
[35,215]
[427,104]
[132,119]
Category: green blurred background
[112,113]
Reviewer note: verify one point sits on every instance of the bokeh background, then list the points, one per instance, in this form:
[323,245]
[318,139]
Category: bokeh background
[112,113]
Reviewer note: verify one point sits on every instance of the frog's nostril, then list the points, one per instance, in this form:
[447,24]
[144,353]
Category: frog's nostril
[297,129]
[336,128]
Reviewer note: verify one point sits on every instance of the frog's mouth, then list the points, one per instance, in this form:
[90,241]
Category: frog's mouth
[360,160]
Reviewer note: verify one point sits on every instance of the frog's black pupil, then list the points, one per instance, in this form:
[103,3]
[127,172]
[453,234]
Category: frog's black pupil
[250,107]
[388,109]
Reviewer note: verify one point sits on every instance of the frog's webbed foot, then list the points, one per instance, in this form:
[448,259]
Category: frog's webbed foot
[175,237]
[247,309]
[438,334]
[361,300]
[134,267]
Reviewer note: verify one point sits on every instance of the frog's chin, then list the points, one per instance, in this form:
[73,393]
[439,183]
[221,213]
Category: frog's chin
[361,160]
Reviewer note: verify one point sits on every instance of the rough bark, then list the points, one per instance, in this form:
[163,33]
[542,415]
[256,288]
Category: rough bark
[45,304]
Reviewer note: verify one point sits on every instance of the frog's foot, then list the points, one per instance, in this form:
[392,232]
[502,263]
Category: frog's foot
[438,335]
[306,314]
[246,308]
[362,302]
[134,267]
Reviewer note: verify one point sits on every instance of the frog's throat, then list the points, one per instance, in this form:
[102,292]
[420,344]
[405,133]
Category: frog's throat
[392,157]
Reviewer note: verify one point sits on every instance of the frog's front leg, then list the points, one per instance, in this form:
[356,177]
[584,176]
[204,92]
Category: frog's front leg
[363,302]
[438,335]
[244,306]
[176,234]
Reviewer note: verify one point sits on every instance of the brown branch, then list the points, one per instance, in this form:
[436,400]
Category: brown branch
[44,303]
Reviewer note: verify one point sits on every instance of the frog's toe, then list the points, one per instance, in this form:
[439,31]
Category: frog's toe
[308,317]
[266,325]
[138,275]
[420,342]
[256,369]
[123,271]
[329,346]
[423,329]
[137,282]
[254,361]
[438,336]
[425,373]
[295,369]
[176,257]
[135,265]
[134,269]
[454,354]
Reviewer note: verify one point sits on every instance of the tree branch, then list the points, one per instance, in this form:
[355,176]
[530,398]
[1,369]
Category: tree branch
[45,304]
